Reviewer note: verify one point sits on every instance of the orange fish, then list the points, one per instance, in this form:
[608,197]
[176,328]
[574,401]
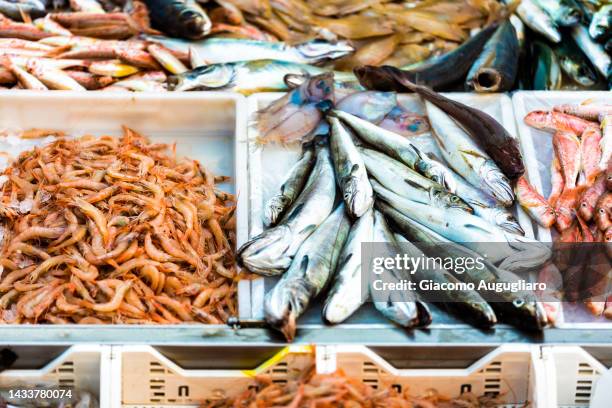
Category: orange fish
[567,149]
[556,181]
[586,208]
[565,208]
[590,153]
[534,204]
[557,121]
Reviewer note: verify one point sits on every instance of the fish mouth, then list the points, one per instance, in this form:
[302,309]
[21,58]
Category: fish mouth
[487,80]
[357,201]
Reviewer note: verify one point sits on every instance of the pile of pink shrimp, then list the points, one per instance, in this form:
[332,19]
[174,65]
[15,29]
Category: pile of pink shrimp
[114,230]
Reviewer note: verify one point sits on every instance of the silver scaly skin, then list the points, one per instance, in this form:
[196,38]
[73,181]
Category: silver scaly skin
[518,253]
[398,147]
[290,189]
[408,183]
[346,294]
[223,50]
[310,271]
[537,19]
[270,253]
[466,157]
[400,306]
[350,170]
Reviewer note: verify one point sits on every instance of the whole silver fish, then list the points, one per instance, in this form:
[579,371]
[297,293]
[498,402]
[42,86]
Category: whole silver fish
[595,52]
[536,19]
[399,148]
[398,306]
[467,158]
[290,189]
[518,308]
[347,293]
[350,170]
[309,273]
[270,253]
[223,50]
[514,251]
[408,183]
[16,9]
[248,77]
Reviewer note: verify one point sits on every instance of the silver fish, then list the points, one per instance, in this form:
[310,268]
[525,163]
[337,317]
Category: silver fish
[16,9]
[467,158]
[595,52]
[398,306]
[408,183]
[270,253]
[309,273]
[249,77]
[518,308]
[518,253]
[350,170]
[290,189]
[562,12]
[536,19]
[600,28]
[347,294]
[399,148]
[224,50]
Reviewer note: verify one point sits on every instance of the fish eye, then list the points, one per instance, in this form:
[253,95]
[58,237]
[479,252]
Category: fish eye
[518,302]
[454,199]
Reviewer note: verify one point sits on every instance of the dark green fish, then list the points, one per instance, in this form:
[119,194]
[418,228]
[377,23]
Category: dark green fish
[574,63]
[495,69]
[179,18]
[437,72]
[547,75]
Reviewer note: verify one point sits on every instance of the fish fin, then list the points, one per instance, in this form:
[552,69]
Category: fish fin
[354,169]
[343,262]
[309,229]
[294,212]
[412,184]
[473,154]
[587,101]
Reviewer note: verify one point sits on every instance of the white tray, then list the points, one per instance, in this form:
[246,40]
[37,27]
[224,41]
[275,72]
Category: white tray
[143,377]
[82,367]
[268,164]
[572,375]
[206,126]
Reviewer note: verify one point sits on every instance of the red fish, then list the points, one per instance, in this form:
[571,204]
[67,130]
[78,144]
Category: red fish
[586,208]
[557,122]
[586,111]
[565,208]
[534,204]
[567,149]
[556,181]
[590,153]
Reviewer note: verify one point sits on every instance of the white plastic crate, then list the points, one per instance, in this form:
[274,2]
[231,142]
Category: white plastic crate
[268,165]
[572,375]
[143,377]
[80,367]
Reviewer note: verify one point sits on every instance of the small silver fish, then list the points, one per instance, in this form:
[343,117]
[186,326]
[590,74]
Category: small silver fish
[536,19]
[224,50]
[347,294]
[270,253]
[351,171]
[310,271]
[290,189]
[467,158]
